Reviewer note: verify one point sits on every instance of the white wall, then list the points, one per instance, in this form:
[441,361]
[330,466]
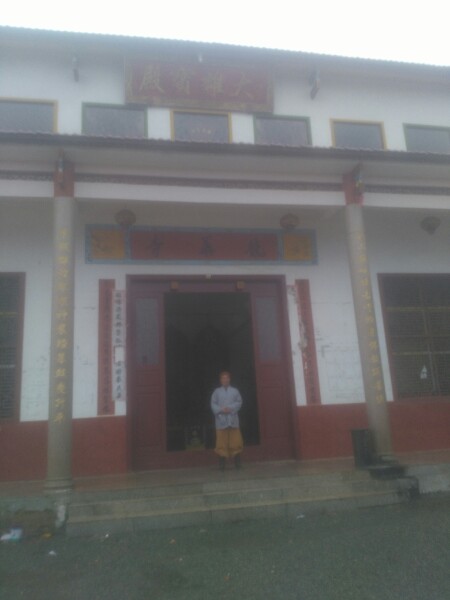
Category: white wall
[396,244]
[332,303]
[333,315]
[101,79]
[25,234]
[49,77]
[395,241]
[86,301]
[391,103]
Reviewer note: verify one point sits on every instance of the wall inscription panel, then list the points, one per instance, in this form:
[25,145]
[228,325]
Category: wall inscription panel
[111,244]
[198,85]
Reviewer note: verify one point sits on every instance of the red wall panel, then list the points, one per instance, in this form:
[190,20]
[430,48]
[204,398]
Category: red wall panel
[23,450]
[420,427]
[100,444]
[325,430]
[416,427]
[99,447]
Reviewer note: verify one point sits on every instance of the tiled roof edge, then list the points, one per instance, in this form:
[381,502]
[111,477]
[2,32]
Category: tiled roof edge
[145,144]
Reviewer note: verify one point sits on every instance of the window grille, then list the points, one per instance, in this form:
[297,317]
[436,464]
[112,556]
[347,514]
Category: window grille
[282,131]
[114,121]
[420,138]
[417,316]
[10,325]
[201,127]
[27,116]
[349,134]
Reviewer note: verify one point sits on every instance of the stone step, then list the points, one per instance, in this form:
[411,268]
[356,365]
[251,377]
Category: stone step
[227,482]
[387,471]
[215,496]
[432,478]
[233,500]
[226,513]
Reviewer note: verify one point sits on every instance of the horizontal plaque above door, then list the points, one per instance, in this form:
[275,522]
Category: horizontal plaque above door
[198,86]
[112,244]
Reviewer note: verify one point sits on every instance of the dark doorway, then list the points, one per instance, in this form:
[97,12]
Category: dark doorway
[206,333]
[181,334]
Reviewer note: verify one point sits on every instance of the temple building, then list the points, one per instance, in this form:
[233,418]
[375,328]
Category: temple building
[169,209]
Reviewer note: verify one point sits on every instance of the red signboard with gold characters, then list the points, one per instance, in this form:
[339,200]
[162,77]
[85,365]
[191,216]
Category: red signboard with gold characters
[189,85]
[147,245]
[108,243]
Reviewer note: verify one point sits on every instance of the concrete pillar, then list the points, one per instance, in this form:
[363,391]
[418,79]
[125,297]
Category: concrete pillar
[59,456]
[375,396]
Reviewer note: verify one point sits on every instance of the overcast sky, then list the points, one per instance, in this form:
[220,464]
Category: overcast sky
[387,29]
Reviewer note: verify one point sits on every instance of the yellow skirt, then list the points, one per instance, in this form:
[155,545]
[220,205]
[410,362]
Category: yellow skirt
[229,442]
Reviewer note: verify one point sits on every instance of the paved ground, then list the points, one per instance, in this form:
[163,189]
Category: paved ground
[392,553]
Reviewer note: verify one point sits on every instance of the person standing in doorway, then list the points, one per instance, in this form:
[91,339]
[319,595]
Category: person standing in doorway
[226,402]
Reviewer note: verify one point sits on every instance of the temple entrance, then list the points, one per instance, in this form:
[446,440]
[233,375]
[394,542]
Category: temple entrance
[206,333]
[181,335]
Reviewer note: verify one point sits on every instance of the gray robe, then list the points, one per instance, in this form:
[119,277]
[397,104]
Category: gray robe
[230,398]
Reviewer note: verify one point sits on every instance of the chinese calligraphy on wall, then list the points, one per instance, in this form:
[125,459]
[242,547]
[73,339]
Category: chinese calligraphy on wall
[112,366]
[191,85]
[63,358]
[118,340]
[113,244]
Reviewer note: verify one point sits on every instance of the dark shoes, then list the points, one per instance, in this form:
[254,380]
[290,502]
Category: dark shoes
[237,462]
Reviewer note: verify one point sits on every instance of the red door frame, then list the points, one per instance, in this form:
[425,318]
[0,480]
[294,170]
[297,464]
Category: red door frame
[226,283]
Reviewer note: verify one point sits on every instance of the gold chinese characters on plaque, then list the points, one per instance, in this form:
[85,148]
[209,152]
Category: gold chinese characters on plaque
[198,85]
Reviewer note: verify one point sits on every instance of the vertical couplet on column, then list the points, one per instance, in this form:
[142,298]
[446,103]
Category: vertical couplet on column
[308,345]
[105,401]
[59,454]
[374,391]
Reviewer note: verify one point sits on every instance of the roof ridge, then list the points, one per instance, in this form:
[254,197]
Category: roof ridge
[127,38]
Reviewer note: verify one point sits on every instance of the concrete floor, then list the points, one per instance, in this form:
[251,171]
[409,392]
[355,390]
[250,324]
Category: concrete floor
[399,552]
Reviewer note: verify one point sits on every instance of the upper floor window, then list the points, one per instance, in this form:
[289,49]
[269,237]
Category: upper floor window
[417,321]
[11,317]
[427,139]
[201,127]
[358,134]
[114,121]
[27,116]
[282,131]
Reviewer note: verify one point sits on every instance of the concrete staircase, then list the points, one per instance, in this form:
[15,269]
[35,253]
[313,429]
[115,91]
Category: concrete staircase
[230,496]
